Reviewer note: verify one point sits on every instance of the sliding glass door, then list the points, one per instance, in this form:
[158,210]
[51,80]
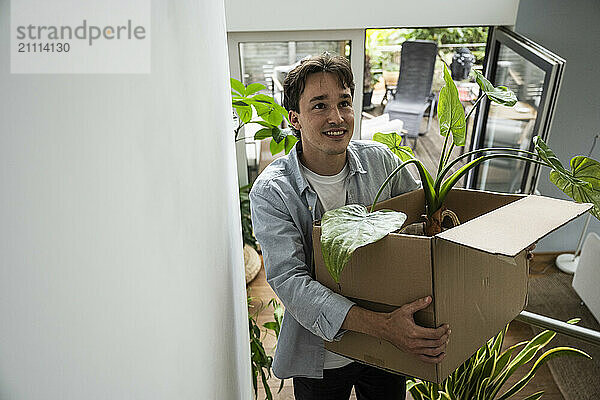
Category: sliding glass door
[534,74]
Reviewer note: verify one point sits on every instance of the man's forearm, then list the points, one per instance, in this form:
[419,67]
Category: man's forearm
[399,328]
[364,321]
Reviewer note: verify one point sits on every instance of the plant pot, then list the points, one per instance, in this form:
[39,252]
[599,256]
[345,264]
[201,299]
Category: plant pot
[252,263]
[367,96]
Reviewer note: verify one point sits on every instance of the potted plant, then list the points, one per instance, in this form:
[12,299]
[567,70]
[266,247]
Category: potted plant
[581,183]
[244,100]
[252,261]
[484,374]
[261,362]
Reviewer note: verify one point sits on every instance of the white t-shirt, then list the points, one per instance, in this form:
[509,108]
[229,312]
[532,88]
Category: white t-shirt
[331,194]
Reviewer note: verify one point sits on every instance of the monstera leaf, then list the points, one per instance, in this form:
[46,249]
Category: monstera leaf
[347,228]
[501,94]
[451,113]
[581,183]
[393,141]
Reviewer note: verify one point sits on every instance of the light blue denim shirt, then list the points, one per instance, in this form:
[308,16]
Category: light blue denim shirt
[283,208]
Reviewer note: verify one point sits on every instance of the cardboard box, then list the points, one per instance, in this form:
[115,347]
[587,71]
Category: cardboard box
[476,273]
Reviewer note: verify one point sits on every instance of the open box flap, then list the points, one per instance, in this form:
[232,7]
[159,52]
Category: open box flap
[510,229]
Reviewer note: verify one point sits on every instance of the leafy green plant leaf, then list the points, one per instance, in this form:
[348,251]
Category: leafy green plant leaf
[276,147]
[500,94]
[582,183]
[286,142]
[350,227]
[272,325]
[451,113]
[254,87]
[282,111]
[262,109]
[263,123]
[290,141]
[393,141]
[273,117]
[238,86]
[535,396]
[550,354]
[263,98]
[502,362]
[279,134]
[263,133]
[244,113]
[418,390]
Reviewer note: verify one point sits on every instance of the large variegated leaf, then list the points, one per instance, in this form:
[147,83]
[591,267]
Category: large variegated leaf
[501,94]
[347,228]
[581,183]
[393,141]
[451,113]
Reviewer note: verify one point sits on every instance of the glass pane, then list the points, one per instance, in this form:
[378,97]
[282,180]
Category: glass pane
[268,63]
[511,126]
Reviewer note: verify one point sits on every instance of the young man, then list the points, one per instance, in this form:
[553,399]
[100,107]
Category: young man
[324,171]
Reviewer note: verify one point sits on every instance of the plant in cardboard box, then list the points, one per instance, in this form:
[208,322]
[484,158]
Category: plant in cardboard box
[484,374]
[352,226]
[246,101]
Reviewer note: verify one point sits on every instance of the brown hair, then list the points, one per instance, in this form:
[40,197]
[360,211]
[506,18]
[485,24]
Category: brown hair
[293,85]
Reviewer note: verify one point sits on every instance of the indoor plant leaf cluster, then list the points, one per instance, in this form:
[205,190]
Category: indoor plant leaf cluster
[582,182]
[261,362]
[484,374]
[244,99]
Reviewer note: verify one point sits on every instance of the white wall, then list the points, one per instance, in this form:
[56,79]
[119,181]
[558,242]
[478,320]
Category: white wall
[570,30]
[121,270]
[276,15]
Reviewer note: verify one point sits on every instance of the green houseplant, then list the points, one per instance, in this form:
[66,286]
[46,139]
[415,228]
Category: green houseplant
[261,362]
[259,359]
[352,226]
[246,101]
[483,376]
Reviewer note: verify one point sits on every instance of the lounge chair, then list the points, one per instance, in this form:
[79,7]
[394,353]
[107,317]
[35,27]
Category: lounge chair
[413,92]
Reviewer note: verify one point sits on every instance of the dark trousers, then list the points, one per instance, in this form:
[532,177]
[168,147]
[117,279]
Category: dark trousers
[369,383]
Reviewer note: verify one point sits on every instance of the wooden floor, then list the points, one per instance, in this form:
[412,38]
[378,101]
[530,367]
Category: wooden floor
[542,263]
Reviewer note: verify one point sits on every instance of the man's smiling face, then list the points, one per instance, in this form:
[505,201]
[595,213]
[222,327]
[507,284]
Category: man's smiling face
[326,117]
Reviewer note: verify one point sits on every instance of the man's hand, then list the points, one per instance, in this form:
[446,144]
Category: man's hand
[427,344]
[399,328]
